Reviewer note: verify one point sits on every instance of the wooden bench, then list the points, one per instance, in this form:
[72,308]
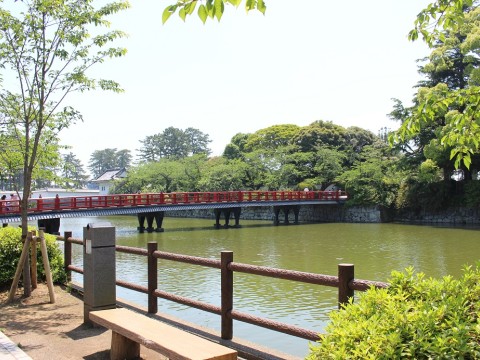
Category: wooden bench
[131,329]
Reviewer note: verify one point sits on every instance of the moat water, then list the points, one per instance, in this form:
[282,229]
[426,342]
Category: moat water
[375,250]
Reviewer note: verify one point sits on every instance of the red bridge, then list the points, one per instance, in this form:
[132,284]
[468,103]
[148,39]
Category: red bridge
[151,207]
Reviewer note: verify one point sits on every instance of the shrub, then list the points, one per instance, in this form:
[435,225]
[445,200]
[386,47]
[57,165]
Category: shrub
[11,249]
[432,196]
[472,193]
[415,318]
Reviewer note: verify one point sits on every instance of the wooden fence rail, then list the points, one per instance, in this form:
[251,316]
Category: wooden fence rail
[345,282]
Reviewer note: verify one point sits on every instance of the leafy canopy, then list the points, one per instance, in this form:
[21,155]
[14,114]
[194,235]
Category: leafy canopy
[212,9]
[47,48]
[458,106]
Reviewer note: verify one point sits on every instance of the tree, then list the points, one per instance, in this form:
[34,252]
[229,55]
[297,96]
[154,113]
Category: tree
[46,50]
[165,175]
[193,168]
[197,141]
[211,9]
[151,148]
[124,158]
[358,138]
[441,24]
[236,148]
[271,138]
[222,175]
[328,165]
[108,159]
[174,143]
[320,133]
[72,171]
[374,178]
[46,53]
[453,65]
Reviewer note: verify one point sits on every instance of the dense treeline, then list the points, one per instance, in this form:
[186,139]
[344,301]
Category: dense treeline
[411,175]
[278,157]
[286,157]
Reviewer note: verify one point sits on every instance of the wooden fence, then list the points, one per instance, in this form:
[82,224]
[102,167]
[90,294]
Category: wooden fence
[345,282]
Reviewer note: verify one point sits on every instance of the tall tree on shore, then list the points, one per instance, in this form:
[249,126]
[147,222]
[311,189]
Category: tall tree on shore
[449,24]
[73,172]
[174,143]
[453,66]
[46,50]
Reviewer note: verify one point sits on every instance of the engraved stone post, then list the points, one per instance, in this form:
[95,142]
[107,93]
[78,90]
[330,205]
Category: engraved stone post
[99,268]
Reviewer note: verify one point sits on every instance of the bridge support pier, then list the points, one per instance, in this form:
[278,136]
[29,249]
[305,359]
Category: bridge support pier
[51,226]
[286,210]
[157,216]
[226,213]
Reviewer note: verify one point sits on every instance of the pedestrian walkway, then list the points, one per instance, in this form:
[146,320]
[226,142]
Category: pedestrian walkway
[10,351]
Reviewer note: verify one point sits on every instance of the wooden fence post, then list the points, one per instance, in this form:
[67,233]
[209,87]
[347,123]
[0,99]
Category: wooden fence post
[152,246]
[27,278]
[46,266]
[33,257]
[346,273]
[67,254]
[18,272]
[227,295]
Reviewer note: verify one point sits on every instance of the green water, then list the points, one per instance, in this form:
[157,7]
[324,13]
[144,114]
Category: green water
[374,249]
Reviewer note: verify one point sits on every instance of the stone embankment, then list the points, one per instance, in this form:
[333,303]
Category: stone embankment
[357,214]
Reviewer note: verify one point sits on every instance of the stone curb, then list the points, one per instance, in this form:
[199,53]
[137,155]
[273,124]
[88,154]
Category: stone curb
[10,351]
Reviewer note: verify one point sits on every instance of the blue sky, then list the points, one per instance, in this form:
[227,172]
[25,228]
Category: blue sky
[303,61]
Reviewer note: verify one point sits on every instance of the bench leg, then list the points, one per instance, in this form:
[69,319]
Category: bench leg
[123,348]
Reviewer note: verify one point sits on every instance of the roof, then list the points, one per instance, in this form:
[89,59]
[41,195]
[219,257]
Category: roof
[110,175]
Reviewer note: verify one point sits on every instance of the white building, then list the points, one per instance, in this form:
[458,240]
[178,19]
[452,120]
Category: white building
[106,180]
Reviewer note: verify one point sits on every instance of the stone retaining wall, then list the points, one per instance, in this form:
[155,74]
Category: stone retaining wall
[453,216]
[307,214]
[340,213]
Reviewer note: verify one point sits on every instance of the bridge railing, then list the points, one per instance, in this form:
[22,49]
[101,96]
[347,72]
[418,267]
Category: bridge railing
[344,281]
[131,200]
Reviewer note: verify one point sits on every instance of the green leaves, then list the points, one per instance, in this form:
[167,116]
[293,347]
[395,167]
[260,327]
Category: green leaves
[202,13]
[255,4]
[10,250]
[415,318]
[48,47]
[213,9]
[460,110]
[169,10]
[441,15]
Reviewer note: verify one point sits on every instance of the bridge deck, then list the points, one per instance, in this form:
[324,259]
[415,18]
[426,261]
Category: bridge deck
[127,204]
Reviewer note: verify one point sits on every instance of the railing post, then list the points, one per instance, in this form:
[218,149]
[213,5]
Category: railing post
[227,295]
[152,246]
[346,273]
[67,254]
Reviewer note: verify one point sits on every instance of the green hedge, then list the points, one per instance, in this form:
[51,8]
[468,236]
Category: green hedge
[415,318]
[11,249]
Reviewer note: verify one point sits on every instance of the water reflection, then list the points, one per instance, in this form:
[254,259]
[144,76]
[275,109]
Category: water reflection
[375,249]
